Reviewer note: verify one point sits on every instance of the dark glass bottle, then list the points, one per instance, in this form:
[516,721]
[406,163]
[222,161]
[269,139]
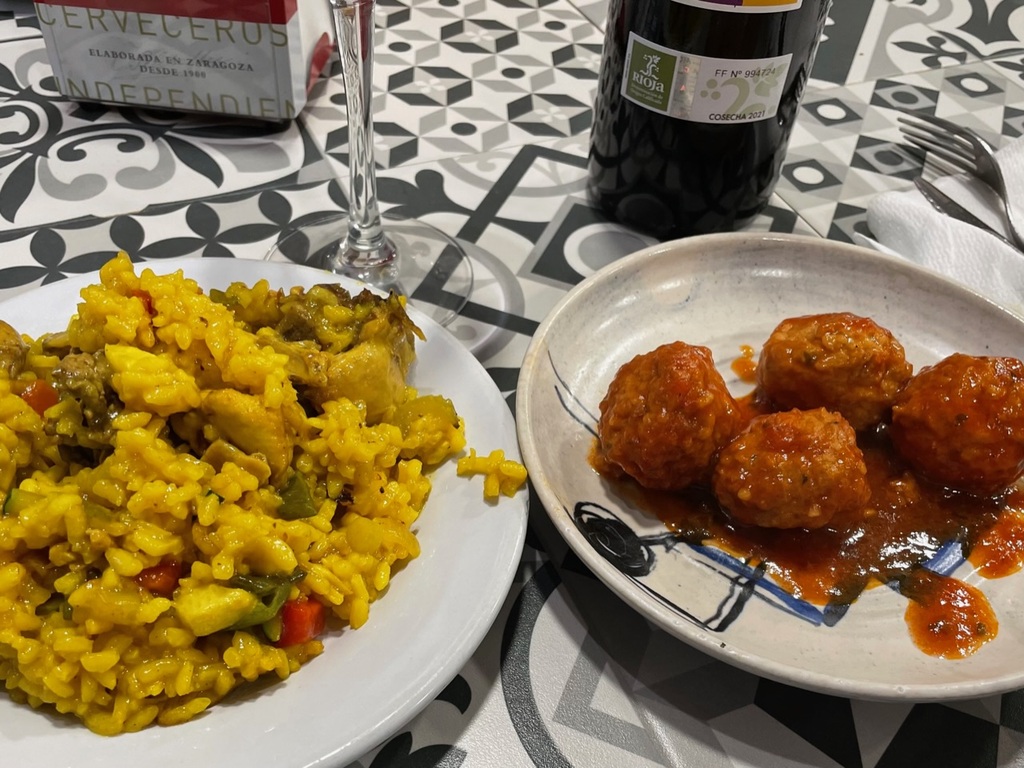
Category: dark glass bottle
[697,143]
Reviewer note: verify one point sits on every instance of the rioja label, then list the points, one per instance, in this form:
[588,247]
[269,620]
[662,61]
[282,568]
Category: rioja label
[702,89]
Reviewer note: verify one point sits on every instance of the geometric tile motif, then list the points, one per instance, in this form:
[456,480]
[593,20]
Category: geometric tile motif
[824,721]
[595,10]
[850,133]
[479,36]
[933,734]
[548,115]
[514,72]
[1013,123]
[392,144]
[595,698]
[752,737]
[896,94]
[429,86]
[578,60]
[18,20]
[578,709]
[886,158]
[976,85]
[391,13]
[731,717]
[809,175]
[848,220]
[1011,747]
[833,112]
[1012,713]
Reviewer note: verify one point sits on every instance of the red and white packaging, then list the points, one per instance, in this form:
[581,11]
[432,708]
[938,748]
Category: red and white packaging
[246,58]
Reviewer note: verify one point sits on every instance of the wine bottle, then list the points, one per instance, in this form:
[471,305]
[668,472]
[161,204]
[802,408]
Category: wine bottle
[695,105]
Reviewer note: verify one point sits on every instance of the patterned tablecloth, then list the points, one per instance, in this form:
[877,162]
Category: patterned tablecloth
[482,113]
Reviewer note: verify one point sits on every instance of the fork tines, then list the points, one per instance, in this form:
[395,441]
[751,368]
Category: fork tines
[953,151]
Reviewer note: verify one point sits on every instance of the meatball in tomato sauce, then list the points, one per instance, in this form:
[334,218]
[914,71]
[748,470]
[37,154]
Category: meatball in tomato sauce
[838,361]
[960,423]
[792,469]
[665,416]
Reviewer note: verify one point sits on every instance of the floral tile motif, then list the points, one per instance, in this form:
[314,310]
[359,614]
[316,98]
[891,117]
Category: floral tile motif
[885,39]
[993,28]
[894,38]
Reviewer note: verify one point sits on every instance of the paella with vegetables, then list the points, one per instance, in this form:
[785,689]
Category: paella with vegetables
[196,485]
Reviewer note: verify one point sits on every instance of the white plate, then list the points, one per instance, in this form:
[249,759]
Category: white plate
[368,682]
[724,291]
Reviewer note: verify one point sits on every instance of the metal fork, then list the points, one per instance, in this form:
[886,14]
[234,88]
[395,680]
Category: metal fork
[946,205]
[962,150]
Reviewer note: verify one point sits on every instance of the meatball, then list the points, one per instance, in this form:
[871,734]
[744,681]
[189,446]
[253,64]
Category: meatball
[792,469]
[665,416]
[960,423]
[837,361]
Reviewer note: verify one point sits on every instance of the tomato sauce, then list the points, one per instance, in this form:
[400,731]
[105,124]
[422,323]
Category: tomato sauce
[745,364]
[947,617]
[907,522]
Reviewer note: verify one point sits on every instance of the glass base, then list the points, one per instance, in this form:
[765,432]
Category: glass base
[430,268]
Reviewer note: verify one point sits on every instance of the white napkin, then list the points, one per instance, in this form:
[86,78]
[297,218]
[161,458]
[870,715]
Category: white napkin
[905,224]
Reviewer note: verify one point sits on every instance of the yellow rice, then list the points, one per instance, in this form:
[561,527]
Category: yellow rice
[501,476]
[116,655]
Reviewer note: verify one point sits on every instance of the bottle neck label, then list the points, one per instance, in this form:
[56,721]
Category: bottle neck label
[744,6]
[702,89]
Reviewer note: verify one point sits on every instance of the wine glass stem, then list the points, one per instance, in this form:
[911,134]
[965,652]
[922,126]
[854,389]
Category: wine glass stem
[366,248]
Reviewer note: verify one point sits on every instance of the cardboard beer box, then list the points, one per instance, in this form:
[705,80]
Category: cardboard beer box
[246,58]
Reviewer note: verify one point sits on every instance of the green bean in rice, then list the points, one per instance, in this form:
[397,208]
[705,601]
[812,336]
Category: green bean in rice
[191,480]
